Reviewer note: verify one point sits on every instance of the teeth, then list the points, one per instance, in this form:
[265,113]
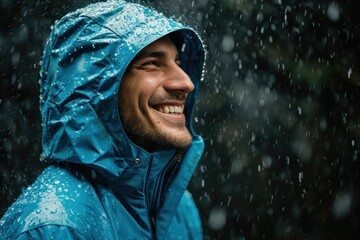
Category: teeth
[172,109]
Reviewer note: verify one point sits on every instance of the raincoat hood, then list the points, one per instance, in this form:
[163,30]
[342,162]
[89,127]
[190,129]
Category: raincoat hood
[84,60]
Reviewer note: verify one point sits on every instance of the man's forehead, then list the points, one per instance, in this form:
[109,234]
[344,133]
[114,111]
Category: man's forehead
[159,44]
[160,48]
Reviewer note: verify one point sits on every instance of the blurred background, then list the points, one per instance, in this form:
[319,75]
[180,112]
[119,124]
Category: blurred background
[279,112]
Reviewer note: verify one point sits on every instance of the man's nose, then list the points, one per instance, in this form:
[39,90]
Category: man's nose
[178,80]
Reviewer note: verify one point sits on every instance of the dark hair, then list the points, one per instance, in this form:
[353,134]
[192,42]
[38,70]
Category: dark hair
[178,39]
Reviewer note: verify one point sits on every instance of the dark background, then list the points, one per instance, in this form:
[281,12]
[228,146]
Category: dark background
[279,112]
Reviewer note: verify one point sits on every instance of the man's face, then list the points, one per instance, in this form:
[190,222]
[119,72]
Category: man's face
[152,97]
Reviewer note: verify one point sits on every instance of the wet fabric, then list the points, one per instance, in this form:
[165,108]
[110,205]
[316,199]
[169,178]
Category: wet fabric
[100,185]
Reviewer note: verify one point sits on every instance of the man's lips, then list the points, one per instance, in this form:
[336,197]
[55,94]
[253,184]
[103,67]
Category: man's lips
[172,109]
[169,108]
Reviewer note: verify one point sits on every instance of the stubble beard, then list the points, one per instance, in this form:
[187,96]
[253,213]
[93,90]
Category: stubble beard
[155,139]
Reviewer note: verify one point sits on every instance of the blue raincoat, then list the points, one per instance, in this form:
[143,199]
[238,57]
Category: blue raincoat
[100,185]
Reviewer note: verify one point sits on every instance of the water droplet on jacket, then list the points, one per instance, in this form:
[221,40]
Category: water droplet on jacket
[38,211]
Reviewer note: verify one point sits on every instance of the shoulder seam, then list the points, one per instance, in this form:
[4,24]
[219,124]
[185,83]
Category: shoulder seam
[50,224]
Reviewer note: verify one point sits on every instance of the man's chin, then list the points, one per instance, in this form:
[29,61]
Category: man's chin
[178,141]
[160,139]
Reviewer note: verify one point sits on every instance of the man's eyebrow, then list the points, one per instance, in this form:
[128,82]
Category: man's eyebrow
[143,55]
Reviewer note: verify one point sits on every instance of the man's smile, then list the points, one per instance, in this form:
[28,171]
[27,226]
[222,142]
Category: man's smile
[169,109]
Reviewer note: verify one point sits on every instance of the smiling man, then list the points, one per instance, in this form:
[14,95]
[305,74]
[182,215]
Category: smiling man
[152,114]
[119,84]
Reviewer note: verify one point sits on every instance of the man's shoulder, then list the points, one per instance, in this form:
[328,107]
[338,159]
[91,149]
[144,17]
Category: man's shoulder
[57,197]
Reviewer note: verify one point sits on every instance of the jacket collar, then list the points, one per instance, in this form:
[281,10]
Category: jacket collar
[141,188]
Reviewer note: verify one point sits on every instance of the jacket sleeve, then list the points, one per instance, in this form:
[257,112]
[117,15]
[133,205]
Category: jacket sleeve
[186,224]
[52,232]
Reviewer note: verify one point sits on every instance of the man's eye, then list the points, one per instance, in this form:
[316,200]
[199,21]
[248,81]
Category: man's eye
[149,63]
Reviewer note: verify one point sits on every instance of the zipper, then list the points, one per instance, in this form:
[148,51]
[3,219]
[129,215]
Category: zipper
[170,172]
[151,215]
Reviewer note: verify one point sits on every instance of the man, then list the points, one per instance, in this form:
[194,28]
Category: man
[118,87]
